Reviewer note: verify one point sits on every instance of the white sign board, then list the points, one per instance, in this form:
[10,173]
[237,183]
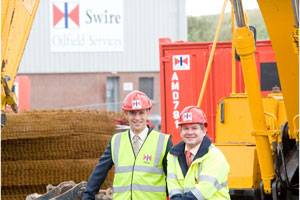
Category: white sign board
[128,86]
[86,25]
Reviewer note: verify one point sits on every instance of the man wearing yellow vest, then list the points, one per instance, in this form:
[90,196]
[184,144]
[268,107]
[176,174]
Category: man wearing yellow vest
[139,156]
[196,168]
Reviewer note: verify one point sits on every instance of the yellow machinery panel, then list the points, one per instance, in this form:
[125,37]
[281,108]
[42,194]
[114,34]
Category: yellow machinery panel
[233,126]
[244,168]
[233,119]
[234,136]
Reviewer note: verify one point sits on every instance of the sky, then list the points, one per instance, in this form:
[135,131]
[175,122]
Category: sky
[213,7]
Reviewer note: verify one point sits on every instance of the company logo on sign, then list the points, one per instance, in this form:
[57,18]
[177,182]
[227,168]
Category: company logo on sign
[75,25]
[147,158]
[136,104]
[65,15]
[187,116]
[181,62]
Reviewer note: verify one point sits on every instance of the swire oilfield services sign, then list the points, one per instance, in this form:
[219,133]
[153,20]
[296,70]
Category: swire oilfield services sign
[86,25]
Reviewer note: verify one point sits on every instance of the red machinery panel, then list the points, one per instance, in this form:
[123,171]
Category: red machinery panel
[22,90]
[182,70]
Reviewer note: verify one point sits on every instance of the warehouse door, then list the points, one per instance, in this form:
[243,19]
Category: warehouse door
[112,94]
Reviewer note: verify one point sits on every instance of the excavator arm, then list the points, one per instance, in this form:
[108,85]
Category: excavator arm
[281,19]
[16,22]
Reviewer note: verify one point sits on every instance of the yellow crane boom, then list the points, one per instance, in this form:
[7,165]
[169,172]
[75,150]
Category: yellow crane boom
[16,22]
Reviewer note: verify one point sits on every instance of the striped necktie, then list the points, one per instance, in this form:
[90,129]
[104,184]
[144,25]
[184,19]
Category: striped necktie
[136,144]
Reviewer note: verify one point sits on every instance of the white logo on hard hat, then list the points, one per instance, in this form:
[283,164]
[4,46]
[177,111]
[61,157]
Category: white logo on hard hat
[187,116]
[136,104]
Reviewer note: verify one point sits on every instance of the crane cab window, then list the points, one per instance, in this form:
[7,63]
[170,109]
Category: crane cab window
[269,76]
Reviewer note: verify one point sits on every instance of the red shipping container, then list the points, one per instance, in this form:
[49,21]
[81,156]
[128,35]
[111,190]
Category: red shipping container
[22,90]
[182,70]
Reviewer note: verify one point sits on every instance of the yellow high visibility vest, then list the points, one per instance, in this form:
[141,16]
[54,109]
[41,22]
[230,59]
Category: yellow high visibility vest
[206,178]
[141,177]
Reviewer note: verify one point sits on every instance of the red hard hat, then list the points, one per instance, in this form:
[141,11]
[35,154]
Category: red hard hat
[192,115]
[136,100]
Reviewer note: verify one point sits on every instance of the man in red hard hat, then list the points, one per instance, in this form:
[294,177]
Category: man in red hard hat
[196,168]
[139,156]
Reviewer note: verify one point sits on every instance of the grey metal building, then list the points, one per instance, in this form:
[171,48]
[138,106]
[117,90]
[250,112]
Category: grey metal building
[100,79]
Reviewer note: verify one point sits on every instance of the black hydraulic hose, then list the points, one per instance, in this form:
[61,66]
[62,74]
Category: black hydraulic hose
[295,4]
[239,13]
[277,162]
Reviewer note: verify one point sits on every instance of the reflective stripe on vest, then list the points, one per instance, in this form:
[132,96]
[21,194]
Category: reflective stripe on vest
[116,148]
[148,169]
[160,146]
[172,176]
[175,191]
[136,187]
[197,194]
[211,180]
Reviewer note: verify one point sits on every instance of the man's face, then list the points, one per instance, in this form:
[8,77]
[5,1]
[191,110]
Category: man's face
[137,120]
[192,134]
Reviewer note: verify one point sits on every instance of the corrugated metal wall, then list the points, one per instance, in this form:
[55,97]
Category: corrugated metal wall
[145,21]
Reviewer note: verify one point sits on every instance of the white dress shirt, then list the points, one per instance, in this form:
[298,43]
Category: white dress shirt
[142,135]
[193,150]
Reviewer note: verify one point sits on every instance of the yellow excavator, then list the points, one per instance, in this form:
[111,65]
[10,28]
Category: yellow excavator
[16,22]
[260,134]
